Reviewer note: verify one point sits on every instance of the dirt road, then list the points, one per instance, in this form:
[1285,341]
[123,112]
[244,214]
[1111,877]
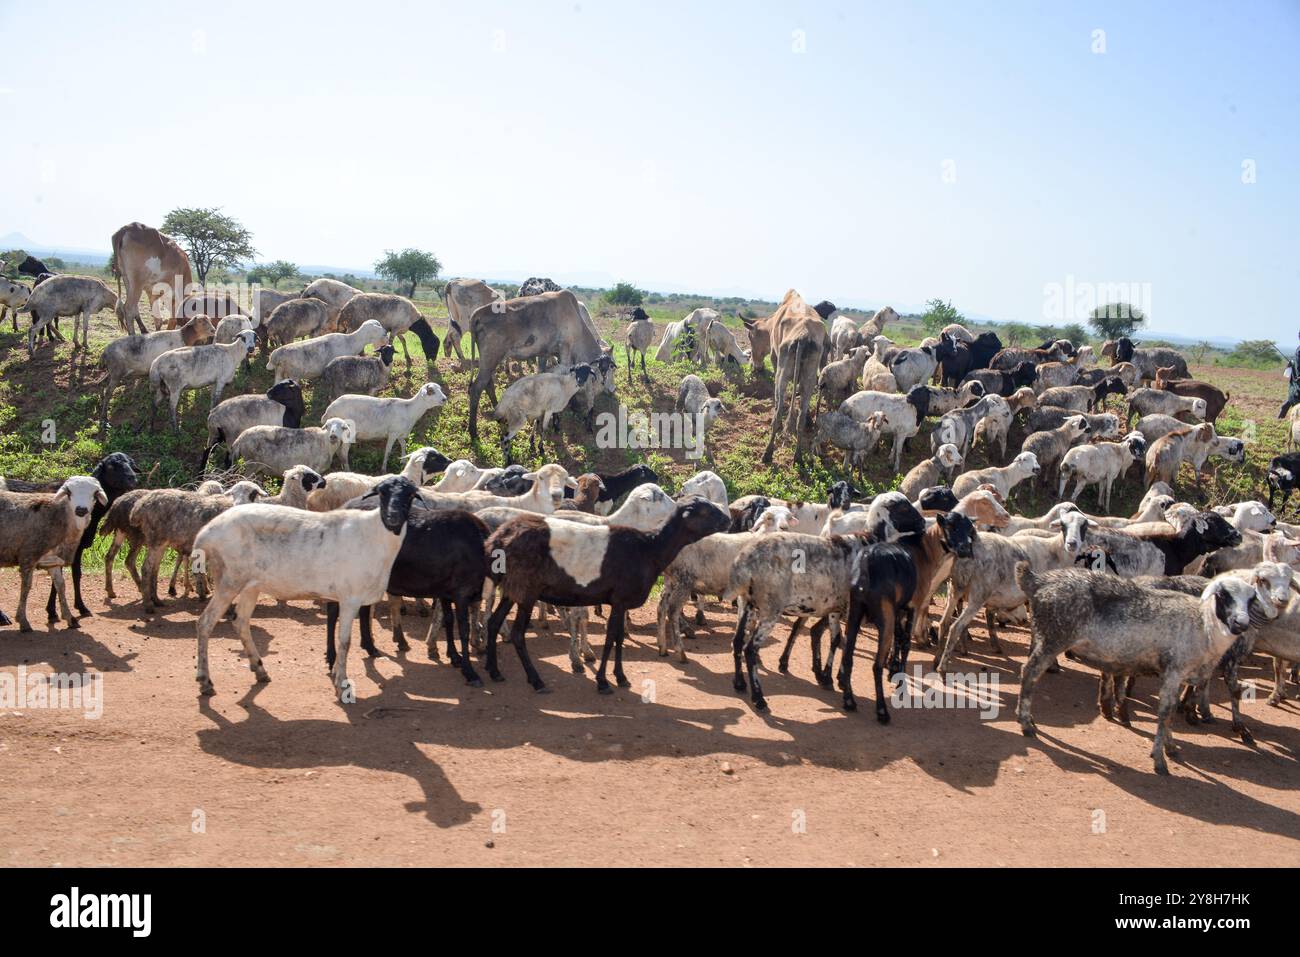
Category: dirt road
[679,770]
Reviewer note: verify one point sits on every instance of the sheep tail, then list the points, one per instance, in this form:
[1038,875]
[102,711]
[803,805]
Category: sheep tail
[1025,579]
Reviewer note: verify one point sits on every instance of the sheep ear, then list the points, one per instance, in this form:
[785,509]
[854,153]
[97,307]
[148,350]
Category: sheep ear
[101,497]
[529,475]
[571,482]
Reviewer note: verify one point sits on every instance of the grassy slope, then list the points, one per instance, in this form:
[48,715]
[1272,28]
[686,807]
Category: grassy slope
[52,387]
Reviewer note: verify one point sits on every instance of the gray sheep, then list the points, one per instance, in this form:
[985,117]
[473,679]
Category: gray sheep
[358,375]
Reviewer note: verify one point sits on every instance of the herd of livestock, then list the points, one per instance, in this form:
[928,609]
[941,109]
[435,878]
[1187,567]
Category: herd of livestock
[1176,591]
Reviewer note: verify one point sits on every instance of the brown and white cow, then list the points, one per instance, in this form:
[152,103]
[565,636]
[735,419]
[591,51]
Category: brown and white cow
[150,263]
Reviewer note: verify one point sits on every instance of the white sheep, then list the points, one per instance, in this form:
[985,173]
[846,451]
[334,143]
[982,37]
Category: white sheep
[708,485]
[233,325]
[1003,479]
[537,397]
[389,419]
[342,487]
[275,449]
[931,471]
[308,359]
[193,367]
[343,556]
[1101,463]
[900,419]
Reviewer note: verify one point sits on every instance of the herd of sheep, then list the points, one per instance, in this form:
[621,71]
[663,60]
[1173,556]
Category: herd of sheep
[1176,591]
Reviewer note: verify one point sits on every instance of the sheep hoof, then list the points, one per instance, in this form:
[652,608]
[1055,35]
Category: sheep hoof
[850,703]
[882,715]
[206,689]
[1162,768]
[604,687]
[699,617]
[783,666]
[760,705]
[1029,729]
[739,684]
[542,689]
[623,682]
[73,625]
[24,627]
[83,611]
[262,677]
[1246,737]
[577,669]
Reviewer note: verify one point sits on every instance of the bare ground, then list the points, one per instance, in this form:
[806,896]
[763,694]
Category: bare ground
[423,770]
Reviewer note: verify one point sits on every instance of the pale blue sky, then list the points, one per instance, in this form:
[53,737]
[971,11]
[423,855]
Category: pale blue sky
[688,144]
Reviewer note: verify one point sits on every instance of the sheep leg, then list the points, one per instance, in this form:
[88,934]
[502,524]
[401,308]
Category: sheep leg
[1236,688]
[383,466]
[103,405]
[956,632]
[56,580]
[133,549]
[25,574]
[343,685]
[1040,657]
[399,637]
[671,602]
[991,624]
[517,630]
[149,575]
[109,557]
[885,624]
[1164,741]
[495,620]
[846,662]
[171,585]
[244,606]
[462,624]
[617,623]
[737,643]
[216,607]
[902,642]
[751,663]
[644,375]
[784,664]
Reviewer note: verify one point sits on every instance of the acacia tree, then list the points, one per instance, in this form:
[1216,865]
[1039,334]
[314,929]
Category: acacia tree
[213,239]
[275,272]
[625,294]
[939,314]
[410,265]
[1116,319]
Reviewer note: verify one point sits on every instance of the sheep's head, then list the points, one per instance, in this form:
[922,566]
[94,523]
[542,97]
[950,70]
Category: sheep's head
[308,479]
[1227,601]
[842,495]
[699,517]
[774,518]
[245,492]
[116,471]
[1234,450]
[712,411]
[984,507]
[1027,463]
[1074,530]
[81,492]
[432,395]
[552,479]
[937,498]
[957,533]
[1137,445]
[948,457]
[395,496]
[1274,584]
[198,330]
[339,431]
[15,292]
[248,338]
[426,462]
[1216,531]
[1279,548]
